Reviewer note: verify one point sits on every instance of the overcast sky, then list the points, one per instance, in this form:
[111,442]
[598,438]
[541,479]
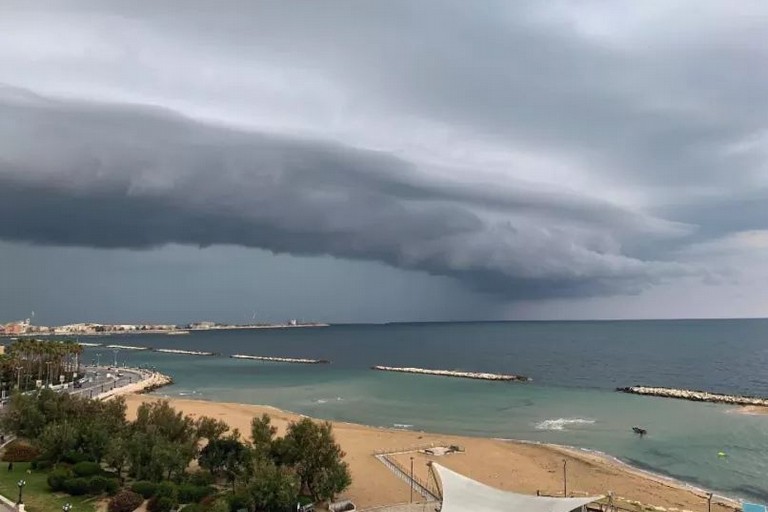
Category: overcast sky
[379,161]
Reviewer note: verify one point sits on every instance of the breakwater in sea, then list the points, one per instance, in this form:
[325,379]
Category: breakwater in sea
[695,396]
[127,347]
[184,352]
[273,359]
[455,373]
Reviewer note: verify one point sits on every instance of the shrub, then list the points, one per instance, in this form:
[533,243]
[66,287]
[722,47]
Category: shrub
[57,477]
[167,490]
[74,457]
[41,465]
[189,493]
[160,504]
[97,484]
[239,501]
[20,451]
[76,486]
[146,489]
[125,501]
[201,478]
[86,468]
[112,486]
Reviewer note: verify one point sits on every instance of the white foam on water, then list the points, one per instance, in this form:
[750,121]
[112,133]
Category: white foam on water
[561,423]
[402,425]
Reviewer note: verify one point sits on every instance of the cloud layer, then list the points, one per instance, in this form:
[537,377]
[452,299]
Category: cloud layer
[526,150]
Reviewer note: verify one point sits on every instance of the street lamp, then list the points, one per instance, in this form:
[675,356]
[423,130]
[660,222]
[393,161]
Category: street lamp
[115,351]
[565,478]
[709,502]
[21,484]
[66,507]
[411,479]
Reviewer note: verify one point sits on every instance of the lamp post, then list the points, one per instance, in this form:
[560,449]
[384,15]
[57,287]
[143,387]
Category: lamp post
[115,351]
[21,484]
[565,478]
[411,479]
[709,502]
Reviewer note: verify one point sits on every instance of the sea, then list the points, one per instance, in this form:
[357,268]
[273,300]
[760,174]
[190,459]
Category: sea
[575,367]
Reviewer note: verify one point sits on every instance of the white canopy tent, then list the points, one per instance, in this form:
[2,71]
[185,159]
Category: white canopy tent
[462,494]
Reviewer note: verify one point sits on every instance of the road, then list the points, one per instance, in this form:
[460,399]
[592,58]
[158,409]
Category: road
[101,379]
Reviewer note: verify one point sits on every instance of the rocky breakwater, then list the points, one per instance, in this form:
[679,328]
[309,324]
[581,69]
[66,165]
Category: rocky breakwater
[695,396]
[455,373]
[184,352]
[272,359]
[148,381]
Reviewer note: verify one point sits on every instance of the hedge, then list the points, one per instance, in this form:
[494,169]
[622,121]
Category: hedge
[77,486]
[86,468]
[163,504]
[20,451]
[57,477]
[125,501]
[189,493]
[146,489]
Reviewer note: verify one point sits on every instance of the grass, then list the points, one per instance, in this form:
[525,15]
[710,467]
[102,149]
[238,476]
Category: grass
[37,496]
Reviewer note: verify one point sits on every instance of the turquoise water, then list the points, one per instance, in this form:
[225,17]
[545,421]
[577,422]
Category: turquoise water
[575,367]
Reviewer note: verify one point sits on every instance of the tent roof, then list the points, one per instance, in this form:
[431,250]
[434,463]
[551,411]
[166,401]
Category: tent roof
[462,494]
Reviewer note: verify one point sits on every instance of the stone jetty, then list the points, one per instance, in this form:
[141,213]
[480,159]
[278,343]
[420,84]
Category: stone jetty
[271,359]
[127,347]
[455,373]
[184,352]
[695,396]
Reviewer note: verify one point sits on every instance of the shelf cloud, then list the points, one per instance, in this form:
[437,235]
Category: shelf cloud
[527,150]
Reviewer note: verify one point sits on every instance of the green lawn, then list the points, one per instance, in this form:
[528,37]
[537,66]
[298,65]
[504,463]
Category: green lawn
[37,496]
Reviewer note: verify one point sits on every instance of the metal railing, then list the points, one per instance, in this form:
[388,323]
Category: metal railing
[425,489]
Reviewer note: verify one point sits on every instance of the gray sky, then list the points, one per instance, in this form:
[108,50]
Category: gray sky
[378,161]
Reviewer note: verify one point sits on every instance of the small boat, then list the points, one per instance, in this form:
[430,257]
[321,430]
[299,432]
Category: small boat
[639,431]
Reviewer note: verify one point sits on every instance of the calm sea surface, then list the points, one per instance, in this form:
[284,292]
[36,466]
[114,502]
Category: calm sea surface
[575,367]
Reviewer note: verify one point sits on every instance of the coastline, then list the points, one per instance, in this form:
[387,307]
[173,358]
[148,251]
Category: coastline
[516,465]
[150,381]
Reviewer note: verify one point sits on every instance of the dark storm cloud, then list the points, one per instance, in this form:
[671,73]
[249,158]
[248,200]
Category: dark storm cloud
[619,133]
[107,176]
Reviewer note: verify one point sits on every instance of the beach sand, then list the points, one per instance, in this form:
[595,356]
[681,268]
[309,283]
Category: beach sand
[520,467]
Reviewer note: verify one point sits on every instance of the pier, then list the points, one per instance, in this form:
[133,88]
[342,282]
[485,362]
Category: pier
[184,352]
[695,396]
[455,373]
[271,359]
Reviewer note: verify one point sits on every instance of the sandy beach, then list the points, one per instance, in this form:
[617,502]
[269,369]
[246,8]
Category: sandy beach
[515,466]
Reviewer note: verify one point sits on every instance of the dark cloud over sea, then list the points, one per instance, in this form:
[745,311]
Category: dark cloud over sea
[528,151]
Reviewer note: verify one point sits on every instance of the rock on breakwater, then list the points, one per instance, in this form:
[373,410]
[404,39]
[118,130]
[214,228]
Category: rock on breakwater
[695,396]
[184,352]
[455,373]
[272,359]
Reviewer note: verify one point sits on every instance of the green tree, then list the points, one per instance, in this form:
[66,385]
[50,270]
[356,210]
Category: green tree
[274,488]
[117,456]
[262,435]
[318,460]
[210,428]
[227,456]
[56,440]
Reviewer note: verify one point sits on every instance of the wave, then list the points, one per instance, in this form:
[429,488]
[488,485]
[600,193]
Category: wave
[326,400]
[561,423]
[402,425]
